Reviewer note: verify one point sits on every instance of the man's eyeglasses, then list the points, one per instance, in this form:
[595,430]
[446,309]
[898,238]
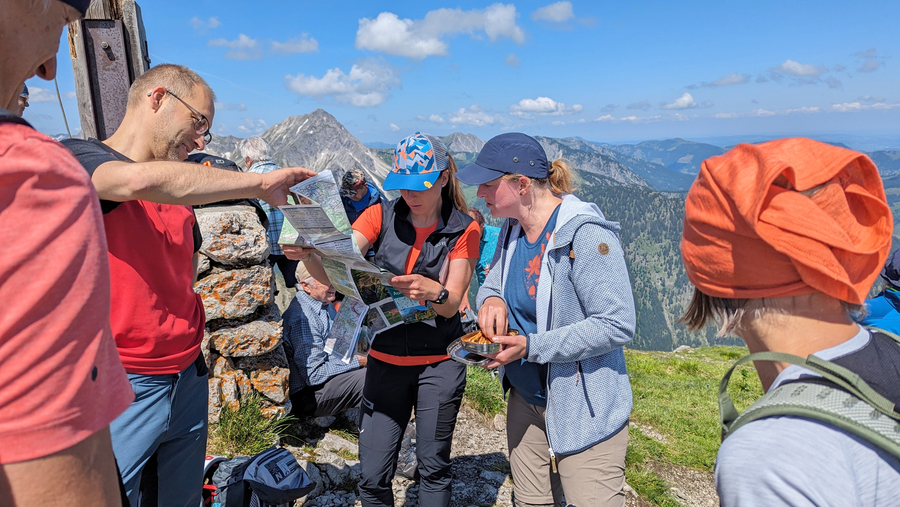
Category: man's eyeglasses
[201,125]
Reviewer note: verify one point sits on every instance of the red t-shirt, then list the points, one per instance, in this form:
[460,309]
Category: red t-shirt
[157,319]
[369,225]
[60,376]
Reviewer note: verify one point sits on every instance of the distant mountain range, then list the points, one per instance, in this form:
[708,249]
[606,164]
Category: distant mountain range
[640,185]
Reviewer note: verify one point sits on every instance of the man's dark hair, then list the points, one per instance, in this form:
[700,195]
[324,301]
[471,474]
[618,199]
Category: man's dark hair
[477,216]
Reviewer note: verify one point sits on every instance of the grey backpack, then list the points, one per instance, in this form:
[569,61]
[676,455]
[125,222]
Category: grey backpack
[839,399]
[272,478]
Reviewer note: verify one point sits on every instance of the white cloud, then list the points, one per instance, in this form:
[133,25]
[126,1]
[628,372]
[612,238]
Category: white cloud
[203,25]
[558,123]
[863,98]
[558,12]
[230,106]
[799,69]
[393,127]
[858,106]
[643,105]
[804,109]
[436,119]
[606,117]
[473,115]
[726,115]
[419,39]
[686,101]
[302,44]
[544,106]
[731,79]
[762,112]
[253,126]
[512,60]
[36,94]
[368,84]
[70,95]
[242,48]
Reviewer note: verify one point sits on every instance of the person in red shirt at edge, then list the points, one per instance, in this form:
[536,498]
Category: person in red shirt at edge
[157,320]
[427,236]
[61,382]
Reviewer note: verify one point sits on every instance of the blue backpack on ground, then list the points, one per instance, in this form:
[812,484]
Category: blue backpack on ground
[272,478]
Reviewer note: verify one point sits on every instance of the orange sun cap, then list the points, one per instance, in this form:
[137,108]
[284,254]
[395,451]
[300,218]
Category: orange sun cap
[751,229]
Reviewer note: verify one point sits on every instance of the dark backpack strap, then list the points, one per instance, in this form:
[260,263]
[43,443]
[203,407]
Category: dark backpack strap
[7,117]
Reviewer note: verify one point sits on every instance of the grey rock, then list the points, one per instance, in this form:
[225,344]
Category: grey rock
[332,442]
[324,421]
[495,478]
[203,264]
[683,348]
[236,293]
[273,359]
[232,235]
[500,422]
[333,466]
[251,339]
[315,477]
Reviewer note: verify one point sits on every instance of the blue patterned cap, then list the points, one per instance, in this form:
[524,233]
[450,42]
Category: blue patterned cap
[418,161]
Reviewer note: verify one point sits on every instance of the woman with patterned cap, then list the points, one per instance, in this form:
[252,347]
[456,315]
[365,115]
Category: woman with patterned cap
[426,237]
[559,278]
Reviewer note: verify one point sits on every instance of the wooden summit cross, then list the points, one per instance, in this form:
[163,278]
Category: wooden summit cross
[109,50]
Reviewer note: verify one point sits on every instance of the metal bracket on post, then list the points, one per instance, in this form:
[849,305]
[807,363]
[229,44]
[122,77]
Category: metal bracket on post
[109,50]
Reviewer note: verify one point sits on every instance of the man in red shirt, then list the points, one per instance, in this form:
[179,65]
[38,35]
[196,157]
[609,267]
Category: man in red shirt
[61,382]
[157,320]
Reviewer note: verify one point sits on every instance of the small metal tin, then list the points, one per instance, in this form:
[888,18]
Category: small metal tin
[484,348]
[461,355]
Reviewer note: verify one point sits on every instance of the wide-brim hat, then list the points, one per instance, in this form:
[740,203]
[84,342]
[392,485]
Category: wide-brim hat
[418,161]
[510,153]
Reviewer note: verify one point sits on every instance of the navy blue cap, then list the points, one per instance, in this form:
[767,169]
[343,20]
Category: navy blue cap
[511,153]
[81,5]
[891,271]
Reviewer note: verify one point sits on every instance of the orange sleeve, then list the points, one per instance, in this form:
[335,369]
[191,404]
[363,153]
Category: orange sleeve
[369,223]
[468,244]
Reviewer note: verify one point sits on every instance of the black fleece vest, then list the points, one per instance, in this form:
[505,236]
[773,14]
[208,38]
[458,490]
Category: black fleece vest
[391,251]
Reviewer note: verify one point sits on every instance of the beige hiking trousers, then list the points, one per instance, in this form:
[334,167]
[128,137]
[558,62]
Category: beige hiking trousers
[592,478]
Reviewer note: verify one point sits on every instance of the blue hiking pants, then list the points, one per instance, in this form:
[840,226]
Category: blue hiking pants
[167,417]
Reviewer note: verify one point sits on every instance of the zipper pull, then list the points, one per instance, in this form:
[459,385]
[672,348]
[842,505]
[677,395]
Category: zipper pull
[553,461]
[578,374]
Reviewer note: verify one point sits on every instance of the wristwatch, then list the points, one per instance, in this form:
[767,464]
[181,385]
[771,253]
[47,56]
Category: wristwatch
[443,297]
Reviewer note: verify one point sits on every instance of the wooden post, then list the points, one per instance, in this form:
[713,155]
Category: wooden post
[109,50]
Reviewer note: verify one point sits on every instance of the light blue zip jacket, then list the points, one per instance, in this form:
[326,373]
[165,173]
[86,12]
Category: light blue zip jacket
[585,314]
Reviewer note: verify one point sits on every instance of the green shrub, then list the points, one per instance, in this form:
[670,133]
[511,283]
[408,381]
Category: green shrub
[245,431]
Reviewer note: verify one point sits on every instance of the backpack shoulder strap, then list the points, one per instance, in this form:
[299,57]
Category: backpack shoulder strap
[839,399]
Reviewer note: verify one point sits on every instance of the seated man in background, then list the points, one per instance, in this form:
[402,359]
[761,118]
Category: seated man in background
[320,383]
[782,241]
[883,311]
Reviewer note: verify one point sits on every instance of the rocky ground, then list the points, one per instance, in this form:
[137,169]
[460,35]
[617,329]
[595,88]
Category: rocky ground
[480,471]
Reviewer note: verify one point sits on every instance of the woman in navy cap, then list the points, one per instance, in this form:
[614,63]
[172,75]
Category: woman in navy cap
[427,237]
[559,278]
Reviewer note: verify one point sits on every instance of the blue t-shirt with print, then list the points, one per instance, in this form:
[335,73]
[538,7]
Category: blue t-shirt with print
[520,293]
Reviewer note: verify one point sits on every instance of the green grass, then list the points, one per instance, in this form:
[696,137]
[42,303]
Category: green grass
[246,431]
[483,392]
[676,395]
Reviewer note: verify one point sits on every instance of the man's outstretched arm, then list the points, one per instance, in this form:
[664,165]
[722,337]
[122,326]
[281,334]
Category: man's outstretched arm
[187,183]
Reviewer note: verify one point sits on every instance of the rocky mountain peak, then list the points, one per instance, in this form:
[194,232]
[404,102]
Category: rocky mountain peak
[459,142]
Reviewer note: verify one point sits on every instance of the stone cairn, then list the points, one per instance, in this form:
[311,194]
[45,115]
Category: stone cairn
[242,340]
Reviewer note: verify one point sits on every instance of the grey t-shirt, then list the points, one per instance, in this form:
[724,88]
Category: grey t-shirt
[790,461]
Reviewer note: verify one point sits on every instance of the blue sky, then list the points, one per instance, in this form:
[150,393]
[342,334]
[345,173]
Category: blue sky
[604,71]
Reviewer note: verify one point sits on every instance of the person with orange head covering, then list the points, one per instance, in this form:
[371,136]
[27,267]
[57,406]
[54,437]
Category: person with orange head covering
[782,241]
